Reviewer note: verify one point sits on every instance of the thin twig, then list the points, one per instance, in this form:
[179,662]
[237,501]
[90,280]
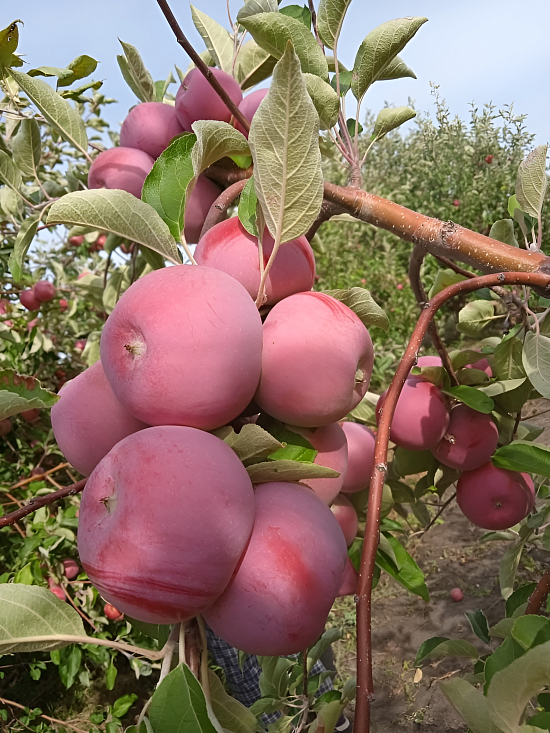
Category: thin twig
[436,517]
[39,501]
[55,721]
[220,206]
[539,594]
[40,476]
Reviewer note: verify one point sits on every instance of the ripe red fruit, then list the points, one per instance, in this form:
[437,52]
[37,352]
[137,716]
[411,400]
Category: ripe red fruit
[99,243]
[488,158]
[5,427]
[124,168]
[200,368]
[470,440]
[30,415]
[37,471]
[330,442]
[56,589]
[80,344]
[112,613]
[483,365]
[349,580]
[63,304]
[456,203]
[248,107]
[4,306]
[421,416]
[77,240]
[278,600]
[345,513]
[202,197]
[71,568]
[44,291]
[456,595]
[197,100]
[29,300]
[230,248]
[361,442]
[150,127]
[494,498]
[164,520]
[317,360]
[88,420]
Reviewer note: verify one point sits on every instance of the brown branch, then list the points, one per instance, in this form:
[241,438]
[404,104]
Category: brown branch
[205,70]
[328,210]
[415,263]
[219,208]
[539,594]
[226,172]
[40,501]
[365,689]
[39,477]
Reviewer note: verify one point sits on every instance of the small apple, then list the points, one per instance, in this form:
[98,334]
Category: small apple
[63,304]
[489,159]
[5,427]
[56,589]
[196,99]
[456,203]
[29,300]
[361,441]
[30,415]
[456,595]
[80,344]
[44,291]
[150,127]
[71,568]
[112,613]
[124,168]
[77,240]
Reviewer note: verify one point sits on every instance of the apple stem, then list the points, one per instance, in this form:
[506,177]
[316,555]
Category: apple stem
[181,646]
[168,651]
[365,686]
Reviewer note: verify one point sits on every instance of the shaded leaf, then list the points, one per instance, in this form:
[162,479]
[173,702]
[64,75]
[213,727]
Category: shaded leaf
[523,456]
[480,626]
[472,706]
[231,713]
[160,632]
[532,182]
[261,473]
[248,204]
[299,12]
[473,318]
[391,118]
[19,393]
[27,147]
[254,64]
[361,302]
[441,646]
[251,444]
[9,40]
[409,574]
[503,231]
[472,397]
[520,596]
[508,569]
[536,361]
[507,360]
[217,39]
[9,173]
[443,279]
[23,240]
[396,69]
[251,7]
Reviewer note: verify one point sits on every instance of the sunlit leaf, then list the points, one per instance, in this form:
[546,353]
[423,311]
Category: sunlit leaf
[19,393]
[330,18]
[473,318]
[216,38]
[135,73]
[536,362]
[532,182]
[23,240]
[248,205]
[254,64]
[391,118]
[503,231]
[396,69]
[361,302]
[216,140]
[325,99]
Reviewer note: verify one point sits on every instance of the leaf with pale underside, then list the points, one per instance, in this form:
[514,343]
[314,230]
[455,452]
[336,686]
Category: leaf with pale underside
[23,240]
[536,362]
[330,18]
[325,99]
[251,7]
[503,231]
[9,173]
[217,39]
[231,713]
[361,302]
[27,147]
[272,31]
[283,140]
[473,318]
[472,705]
[379,48]
[56,110]
[112,210]
[135,73]
[285,470]
[532,181]
[19,393]
[27,612]
[248,206]
[252,444]
[254,64]
[390,119]
[216,140]
[165,187]
[396,69]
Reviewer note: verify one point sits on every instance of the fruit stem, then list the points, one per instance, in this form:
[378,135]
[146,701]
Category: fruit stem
[204,660]
[168,652]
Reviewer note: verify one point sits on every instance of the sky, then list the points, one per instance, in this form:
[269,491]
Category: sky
[476,50]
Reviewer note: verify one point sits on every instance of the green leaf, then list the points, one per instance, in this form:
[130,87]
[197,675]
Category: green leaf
[540,720]
[472,706]
[23,240]
[160,632]
[178,705]
[508,569]
[56,110]
[123,704]
[9,40]
[49,71]
[248,204]
[529,631]
[27,147]
[532,181]
[261,473]
[274,678]
[216,38]
[520,596]
[165,188]
[272,31]
[325,100]
[251,7]
[502,387]
[503,231]
[252,444]
[523,456]
[216,140]
[361,302]
[472,397]
[19,393]
[365,412]
[379,48]
[443,279]
[70,659]
[111,210]
[111,675]
[441,646]
[30,612]
[396,69]
[135,74]
[389,119]
[9,173]
[254,64]
[330,18]
[536,361]
[329,637]
[283,138]
[409,574]
[162,86]
[300,12]
[292,445]
[473,318]
[480,626]
[231,713]
[507,360]
[408,462]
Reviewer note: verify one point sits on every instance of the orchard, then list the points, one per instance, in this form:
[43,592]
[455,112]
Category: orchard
[220,429]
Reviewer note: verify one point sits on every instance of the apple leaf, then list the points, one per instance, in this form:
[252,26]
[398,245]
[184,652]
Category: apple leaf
[536,361]
[23,240]
[252,444]
[473,318]
[248,207]
[441,646]
[288,470]
[391,118]
[471,397]
[502,387]
[135,73]
[508,568]
[503,231]
[112,210]
[19,393]
[9,173]
[507,360]
[325,100]
[330,18]
[217,39]
[231,713]
[33,619]
[523,456]
[396,69]
[532,182]
[251,7]
[480,625]
[361,302]
[472,705]
[288,178]
[409,574]
[27,147]
[160,632]
[56,110]
[254,64]
[178,704]
[216,140]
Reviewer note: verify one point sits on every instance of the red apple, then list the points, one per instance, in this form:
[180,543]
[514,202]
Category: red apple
[202,197]
[29,300]
[30,415]
[63,304]
[71,568]
[470,440]
[80,344]
[456,203]
[349,581]
[44,291]
[330,442]
[456,595]
[489,159]
[361,441]
[5,427]
[112,613]
[76,241]
[150,127]
[345,513]
[249,106]
[123,168]
[197,100]
[56,589]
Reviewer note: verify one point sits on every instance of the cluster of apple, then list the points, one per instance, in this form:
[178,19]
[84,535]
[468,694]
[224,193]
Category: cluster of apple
[41,292]
[150,127]
[170,525]
[462,439]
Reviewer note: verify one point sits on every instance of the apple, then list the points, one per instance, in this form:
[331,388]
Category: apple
[77,240]
[183,346]
[456,595]
[112,613]
[361,441]
[123,168]
[197,100]
[317,360]
[330,442]
[30,415]
[429,361]
[278,600]
[229,247]
[495,498]
[456,203]
[489,159]
[421,415]
[202,197]
[150,127]
[349,580]
[56,589]
[164,520]
[4,306]
[29,300]
[5,427]
[80,344]
[63,304]
[483,365]
[470,440]
[71,568]
[345,513]
[248,107]
[44,291]
[88,420]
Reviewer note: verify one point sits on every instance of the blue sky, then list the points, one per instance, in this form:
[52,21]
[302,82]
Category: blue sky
[475,50]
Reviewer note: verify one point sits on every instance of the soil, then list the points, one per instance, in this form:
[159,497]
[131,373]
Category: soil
[451,556]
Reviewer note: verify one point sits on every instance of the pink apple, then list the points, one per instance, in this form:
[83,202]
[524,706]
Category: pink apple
[361,441]
[5,427]
[470,440]
[197,100]
[112,613]
[349,581]
[71,568]
[122,168]
[330,442]
[29,300]
[345,513]
[249,106]
[150,127]
[202,197]
[456,595]
[30,415]
[44,291]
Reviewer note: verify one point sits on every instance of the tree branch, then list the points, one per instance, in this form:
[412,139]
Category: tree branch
[539,594]
[205,70]
[365,689]
[219,208]
[40,501]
